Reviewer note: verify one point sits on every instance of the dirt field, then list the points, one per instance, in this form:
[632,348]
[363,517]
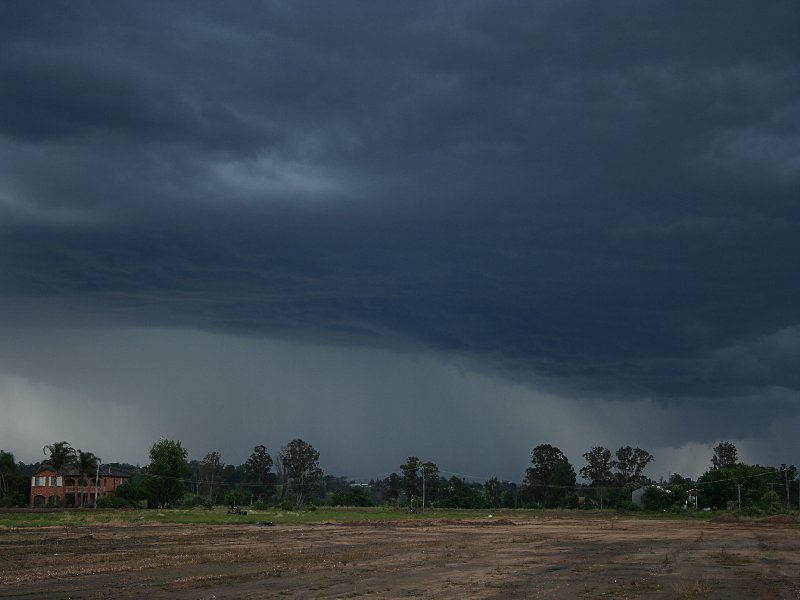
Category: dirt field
[542,557]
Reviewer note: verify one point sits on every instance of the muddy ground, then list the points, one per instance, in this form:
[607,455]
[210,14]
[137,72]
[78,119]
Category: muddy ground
[543,557]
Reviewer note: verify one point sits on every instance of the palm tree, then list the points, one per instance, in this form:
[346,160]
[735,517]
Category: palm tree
[61,455]
[86,462]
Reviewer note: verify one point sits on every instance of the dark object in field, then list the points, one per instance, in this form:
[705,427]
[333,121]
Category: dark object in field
[236,511]
[265,524]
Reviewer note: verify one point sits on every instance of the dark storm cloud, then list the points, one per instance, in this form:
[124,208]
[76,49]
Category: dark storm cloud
[603,198]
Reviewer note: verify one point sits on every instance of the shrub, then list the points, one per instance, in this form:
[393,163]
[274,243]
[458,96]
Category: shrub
[286,505]
[111,502]
[260,505]
[192,501]
[657,499]
[357,496]
[770,502]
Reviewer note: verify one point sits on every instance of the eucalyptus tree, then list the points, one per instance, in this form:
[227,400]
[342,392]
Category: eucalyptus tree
[410,478]
[546,461]
[298,464]
[725,456]
[257,470]
[631,463]
[598,467]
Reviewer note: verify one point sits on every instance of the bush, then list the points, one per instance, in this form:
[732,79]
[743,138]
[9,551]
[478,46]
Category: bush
[286,505]
[751,511]
[357,496]
[133,492]
[208,504]
[111,502]
[233,499]
[770,502]
[657,499]
[260,505]
[193,501]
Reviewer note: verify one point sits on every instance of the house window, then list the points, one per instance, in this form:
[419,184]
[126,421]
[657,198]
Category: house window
[39,481]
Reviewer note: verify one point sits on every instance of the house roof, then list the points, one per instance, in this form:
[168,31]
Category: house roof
[72,471]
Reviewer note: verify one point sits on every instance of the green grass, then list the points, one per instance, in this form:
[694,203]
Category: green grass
[219,516]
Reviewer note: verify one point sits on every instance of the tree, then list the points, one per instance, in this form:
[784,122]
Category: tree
[393,482]
[491,489]
[430,477]
[299,464]
[459,494]
[657,499]
[209,470]
[410,479]
[725,456]
[61,454]
[8,469]
[598,467]
[86,463]
[233,499]
[561,483]
[357,496]
[631,463]
[165,473]
[257,468]
[133,492]
[770,501]
[718,487]
[544,458]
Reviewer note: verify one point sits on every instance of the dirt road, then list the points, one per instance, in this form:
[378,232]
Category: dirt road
[542,557]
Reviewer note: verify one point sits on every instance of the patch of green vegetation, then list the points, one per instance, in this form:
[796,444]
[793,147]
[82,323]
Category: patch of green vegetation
[218,515]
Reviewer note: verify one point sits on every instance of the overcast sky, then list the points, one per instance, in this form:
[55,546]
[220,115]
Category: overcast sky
[455,230]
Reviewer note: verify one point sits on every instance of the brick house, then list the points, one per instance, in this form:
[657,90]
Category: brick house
[70,488]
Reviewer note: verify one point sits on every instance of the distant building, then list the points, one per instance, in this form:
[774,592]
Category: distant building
[692,496]
[637,495]
[70,489]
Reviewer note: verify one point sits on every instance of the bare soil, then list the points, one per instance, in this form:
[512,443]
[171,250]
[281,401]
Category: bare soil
[532,557]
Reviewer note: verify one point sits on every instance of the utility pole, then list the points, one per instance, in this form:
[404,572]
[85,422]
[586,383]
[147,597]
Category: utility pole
[739,489]
[786,481]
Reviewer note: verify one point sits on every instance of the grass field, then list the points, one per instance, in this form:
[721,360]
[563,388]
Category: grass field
[219,516]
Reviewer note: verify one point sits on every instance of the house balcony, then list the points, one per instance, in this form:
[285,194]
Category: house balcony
[79,489]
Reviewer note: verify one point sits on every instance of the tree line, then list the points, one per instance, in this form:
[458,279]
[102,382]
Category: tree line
[293,477]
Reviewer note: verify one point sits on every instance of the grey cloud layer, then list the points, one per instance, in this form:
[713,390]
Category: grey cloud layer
[603,198]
